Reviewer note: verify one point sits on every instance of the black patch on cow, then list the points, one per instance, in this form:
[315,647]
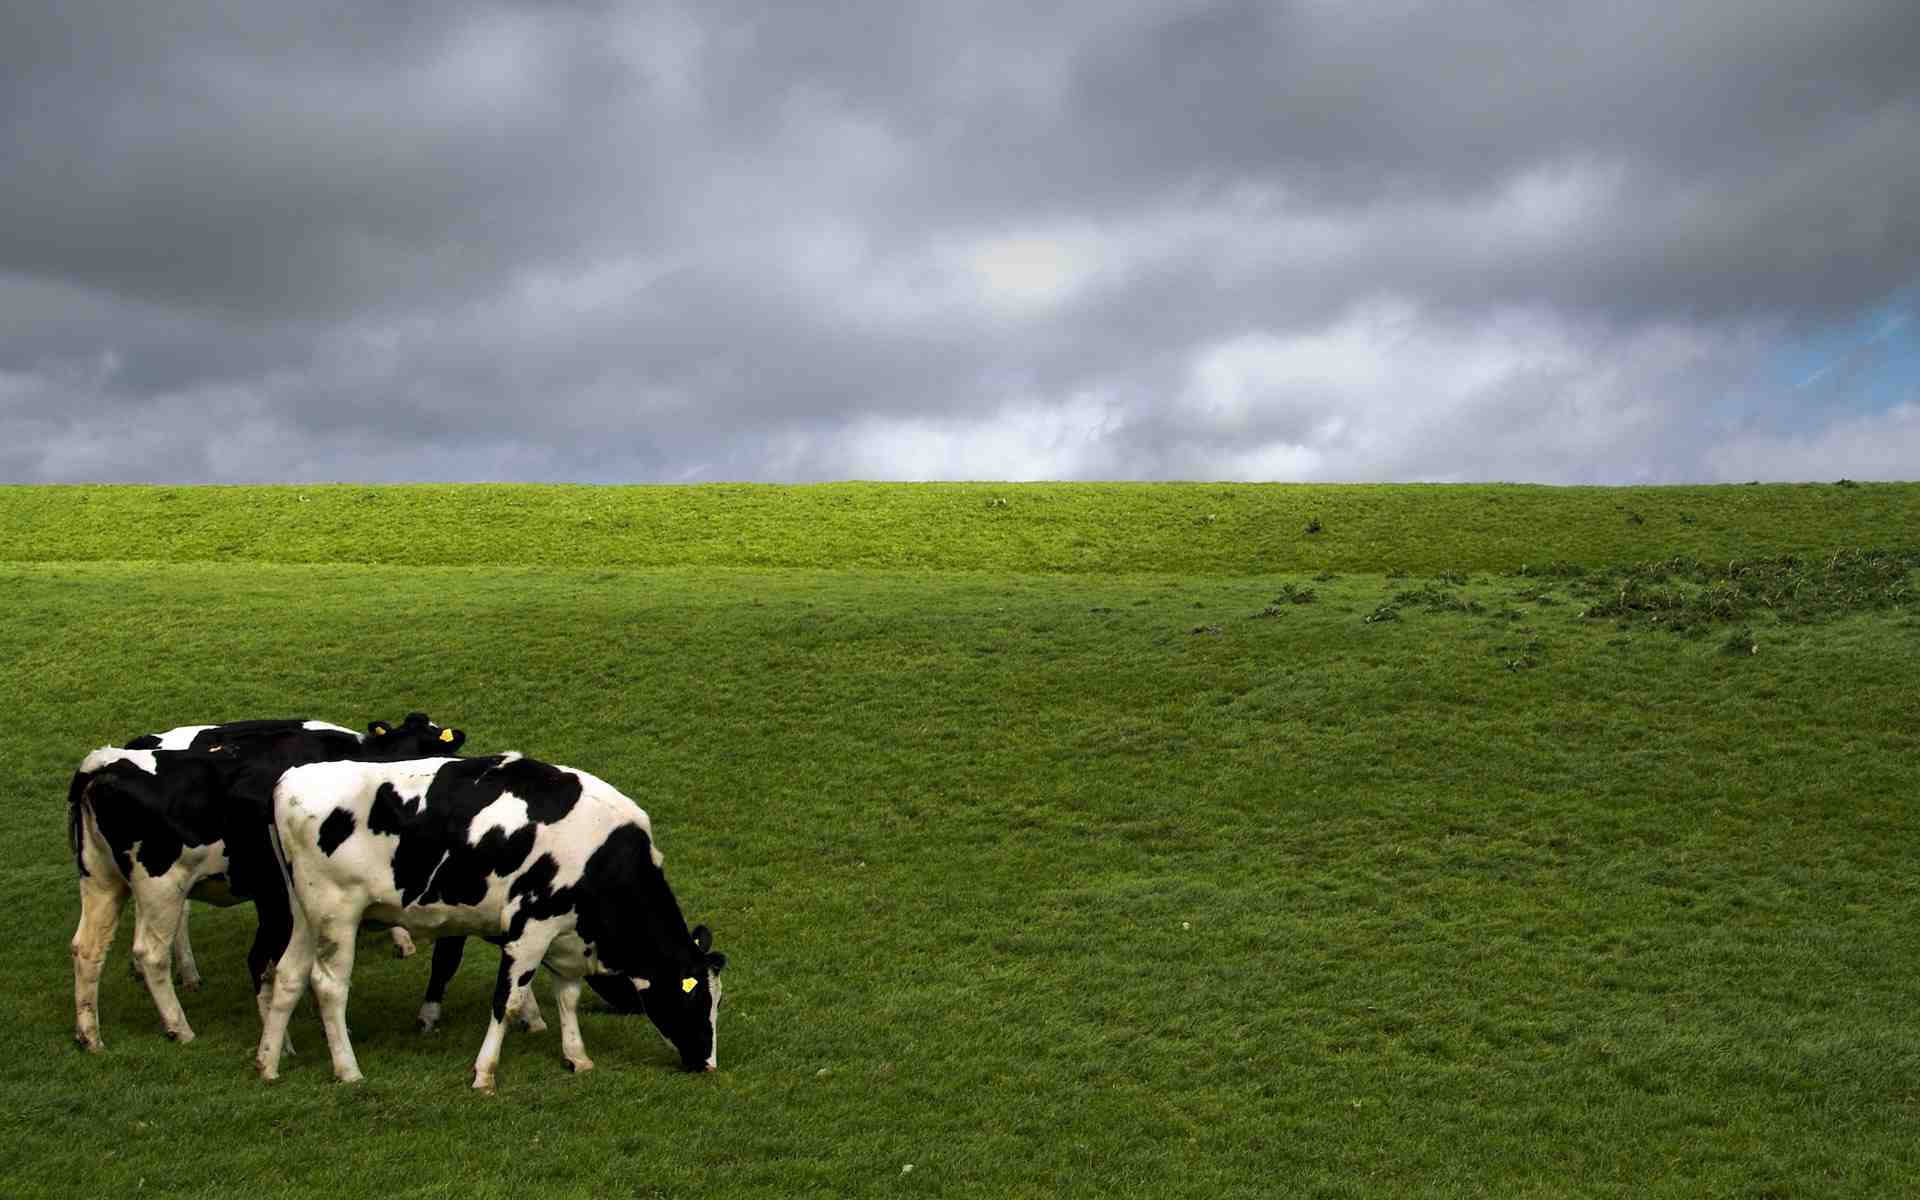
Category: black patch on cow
[628,912]
[437,862]
[337,828]
[502,981]
[447,952]
[526,977]
[388,813]
[146,741]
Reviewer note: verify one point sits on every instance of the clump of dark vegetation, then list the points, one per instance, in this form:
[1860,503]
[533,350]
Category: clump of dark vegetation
[1314,525]
[1684,593]
[1524,657]
[1557,569]
[1433,598]
[1845,483]
[1290,593]
[1386,612]
[1325,577]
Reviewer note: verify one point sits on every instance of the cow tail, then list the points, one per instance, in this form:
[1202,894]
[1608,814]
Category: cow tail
[280,857]
[76,818]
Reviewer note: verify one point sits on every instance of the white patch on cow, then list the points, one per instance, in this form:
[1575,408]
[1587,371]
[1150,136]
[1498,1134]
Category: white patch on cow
[508,814]
[108,755]
[319,726]
[181,737]
[595,788]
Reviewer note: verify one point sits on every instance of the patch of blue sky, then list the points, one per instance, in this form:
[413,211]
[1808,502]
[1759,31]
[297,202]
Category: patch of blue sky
[1868,364]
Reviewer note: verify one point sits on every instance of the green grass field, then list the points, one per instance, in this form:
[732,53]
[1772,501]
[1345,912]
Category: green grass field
[1103,840]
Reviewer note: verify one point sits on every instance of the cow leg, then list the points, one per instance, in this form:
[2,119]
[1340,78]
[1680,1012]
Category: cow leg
[332,973]
[526,1016]
[272,929]
[519,959]
[289,981]
[183,954]
[402,943]
[156,916]
[101,898]
[566,1002]
[447,952]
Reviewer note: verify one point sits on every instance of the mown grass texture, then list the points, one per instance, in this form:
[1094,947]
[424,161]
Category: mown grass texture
[1184,883]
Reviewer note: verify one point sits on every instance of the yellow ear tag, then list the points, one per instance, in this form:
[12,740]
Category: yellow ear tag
[379,731]
[446,735]
[689,983]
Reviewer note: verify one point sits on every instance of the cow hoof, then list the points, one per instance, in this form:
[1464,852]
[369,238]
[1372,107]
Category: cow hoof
[190,985]
[183,1035]
[482,1083]
[349,1076]
[90,1045]
[577,1065]
[424,1025]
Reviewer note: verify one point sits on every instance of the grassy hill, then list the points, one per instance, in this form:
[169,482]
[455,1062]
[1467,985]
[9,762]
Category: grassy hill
[1110,840]
[1207,529]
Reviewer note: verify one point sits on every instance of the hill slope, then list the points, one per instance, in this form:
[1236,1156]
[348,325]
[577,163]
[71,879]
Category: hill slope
[1212,529]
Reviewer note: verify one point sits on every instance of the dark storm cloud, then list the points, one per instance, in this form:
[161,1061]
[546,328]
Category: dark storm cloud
[1120,239]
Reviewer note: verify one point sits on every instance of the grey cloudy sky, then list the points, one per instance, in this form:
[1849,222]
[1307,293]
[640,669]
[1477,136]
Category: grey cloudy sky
[1661,241]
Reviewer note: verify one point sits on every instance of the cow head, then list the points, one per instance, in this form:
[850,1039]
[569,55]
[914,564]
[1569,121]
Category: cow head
[684,1004]
[414,737]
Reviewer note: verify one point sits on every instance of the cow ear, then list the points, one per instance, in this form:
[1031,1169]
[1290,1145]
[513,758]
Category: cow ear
[415,720]
[452,738]
[702,938]
[716,962]
[378,728]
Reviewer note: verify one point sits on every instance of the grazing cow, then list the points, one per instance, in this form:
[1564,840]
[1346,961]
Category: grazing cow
[551,863]
[185,813]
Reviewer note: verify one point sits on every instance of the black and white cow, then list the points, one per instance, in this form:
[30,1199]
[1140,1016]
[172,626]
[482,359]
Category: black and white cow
[185,813]
[240,734]
[551,863]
